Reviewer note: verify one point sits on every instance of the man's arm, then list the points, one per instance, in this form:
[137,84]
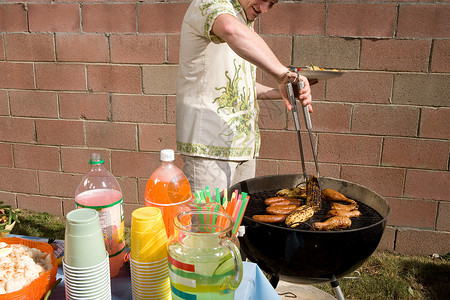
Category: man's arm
[250,46]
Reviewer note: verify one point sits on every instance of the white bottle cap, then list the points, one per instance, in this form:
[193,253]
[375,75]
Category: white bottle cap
[167,155]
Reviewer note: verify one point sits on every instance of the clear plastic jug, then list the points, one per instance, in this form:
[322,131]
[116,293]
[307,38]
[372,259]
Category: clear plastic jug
[203,255]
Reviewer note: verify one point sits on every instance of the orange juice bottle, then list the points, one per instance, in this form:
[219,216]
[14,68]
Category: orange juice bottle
[168,189]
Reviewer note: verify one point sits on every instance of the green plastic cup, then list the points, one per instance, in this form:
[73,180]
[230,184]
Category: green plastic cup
[83,243]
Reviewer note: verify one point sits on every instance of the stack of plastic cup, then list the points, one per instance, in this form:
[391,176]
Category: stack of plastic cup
[148,257]
[86,262]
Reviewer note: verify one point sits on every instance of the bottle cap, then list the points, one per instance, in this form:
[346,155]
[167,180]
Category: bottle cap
[96,158]
[167,155]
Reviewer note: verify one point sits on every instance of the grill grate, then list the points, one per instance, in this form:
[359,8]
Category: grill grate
[256,206]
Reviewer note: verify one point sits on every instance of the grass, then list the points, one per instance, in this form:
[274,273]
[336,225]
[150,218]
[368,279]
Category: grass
[384,275]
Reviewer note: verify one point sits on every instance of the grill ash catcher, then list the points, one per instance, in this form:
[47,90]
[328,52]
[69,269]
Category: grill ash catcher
[301,255]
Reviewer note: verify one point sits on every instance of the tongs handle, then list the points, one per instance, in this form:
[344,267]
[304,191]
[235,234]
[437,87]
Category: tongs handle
[301,85]
[290,92]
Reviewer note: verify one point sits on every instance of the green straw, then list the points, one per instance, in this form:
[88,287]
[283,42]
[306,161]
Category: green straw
[238,220]
[217,195]
[208,193]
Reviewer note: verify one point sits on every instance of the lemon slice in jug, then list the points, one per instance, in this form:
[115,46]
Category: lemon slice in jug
[225,267]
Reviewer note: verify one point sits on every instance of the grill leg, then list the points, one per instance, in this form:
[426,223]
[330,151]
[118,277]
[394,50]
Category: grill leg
[337,289]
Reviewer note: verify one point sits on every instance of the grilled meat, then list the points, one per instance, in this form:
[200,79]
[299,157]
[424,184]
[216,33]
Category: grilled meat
[299,215]
[282,201]
[333,223]
[297,192]
[332,195]
[280,209]
[343,213]
[346,207]
[270,218]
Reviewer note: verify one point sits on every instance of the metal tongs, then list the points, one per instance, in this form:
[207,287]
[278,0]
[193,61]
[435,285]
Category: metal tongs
[313,196]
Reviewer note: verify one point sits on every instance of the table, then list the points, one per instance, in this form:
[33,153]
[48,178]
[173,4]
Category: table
[254,285]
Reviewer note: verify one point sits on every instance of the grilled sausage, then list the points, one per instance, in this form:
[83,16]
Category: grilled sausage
[293,201]
[273,200]
[269,218]
[280,209]
[333,223]
[347,207]
[343,213]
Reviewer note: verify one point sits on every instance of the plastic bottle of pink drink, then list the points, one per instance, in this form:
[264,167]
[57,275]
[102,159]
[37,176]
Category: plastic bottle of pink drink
[99,190]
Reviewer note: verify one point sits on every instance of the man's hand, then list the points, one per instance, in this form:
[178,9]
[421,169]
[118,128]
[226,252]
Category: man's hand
[305,93]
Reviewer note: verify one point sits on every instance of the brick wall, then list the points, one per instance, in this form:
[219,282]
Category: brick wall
[84,76]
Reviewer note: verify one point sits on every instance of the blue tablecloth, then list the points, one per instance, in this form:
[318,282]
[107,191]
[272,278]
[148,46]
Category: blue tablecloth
[254,285]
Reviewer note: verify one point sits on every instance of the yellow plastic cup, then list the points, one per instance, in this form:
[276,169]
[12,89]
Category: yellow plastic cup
[148,235]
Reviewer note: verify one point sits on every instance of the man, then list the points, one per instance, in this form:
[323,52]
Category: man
[217,111]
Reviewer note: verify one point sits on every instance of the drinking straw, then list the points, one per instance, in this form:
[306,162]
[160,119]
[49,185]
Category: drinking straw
[225,196]
[241,212]
[217,196]
[208,193]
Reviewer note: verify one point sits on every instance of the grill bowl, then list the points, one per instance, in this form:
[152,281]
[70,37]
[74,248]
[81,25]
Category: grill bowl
[305,256]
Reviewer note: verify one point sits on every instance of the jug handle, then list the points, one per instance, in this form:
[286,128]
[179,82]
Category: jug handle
[237,262]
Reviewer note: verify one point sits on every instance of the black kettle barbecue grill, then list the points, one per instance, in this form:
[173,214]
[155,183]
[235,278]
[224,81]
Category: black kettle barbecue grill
[301,255]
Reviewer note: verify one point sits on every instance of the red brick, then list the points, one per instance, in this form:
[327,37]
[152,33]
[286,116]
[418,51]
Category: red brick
[128,209]
[415,153]
[86,106]
[54,17]
[173,49]
[69,205]
[266,167]
[13,17]
[283,145]
[422,242]
[10,127]
[433,21]
[361,19]
[388,120]
[171,109]
[424,184]
[59,132]
[281,47]
[443,220]
[440,58]
[272,114]
[387,242]
[412,213]
[138,108]
[40,204]
[150,49]
[435,123]
[159,79]
[30,47]
[6,155]
[34,104]
[349,149]
[290,167]
[119,79]
[66,77]
[156,137]
[129,189]
[134,164]
[161,17]
[16,75]
[398,55]
[58,184]
[109,17]
[36,157]
[142,183]
[337,119]
[111,135]
[76,160]
[297,18]
[363,87]
[9,199]
[388,182]
[19,181]
[82,47]
[4,106]
[2,49]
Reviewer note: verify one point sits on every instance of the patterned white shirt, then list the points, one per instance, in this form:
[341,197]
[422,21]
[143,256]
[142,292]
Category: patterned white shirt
[217,112]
